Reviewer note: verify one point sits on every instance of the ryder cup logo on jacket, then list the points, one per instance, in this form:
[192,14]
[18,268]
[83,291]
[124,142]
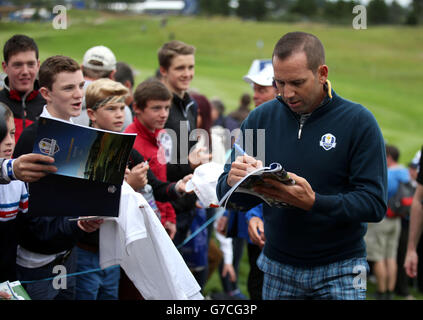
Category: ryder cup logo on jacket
[328,141]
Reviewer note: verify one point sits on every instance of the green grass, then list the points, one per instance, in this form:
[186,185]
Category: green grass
[371,289]
[380,67]
[214,284]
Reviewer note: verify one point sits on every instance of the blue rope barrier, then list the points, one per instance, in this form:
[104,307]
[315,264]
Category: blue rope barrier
[193,235]
[68,275]
[199,230]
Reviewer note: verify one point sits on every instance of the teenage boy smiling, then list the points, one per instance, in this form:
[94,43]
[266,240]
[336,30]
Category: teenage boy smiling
[48,241]
[21,90]
[177,66]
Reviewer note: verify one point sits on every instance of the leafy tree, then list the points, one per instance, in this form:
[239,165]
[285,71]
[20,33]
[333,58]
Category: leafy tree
[307,8]
[339,11]
[377,12]
[416,15]
[397,14]
[252,9]
[214,7]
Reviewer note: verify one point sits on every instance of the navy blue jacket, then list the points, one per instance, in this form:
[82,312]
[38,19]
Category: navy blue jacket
[347,173]
[46,235]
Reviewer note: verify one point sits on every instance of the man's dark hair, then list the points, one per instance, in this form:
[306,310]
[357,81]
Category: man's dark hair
[124,73]
[172,49]
[18,43]
[218,105]
[245,101]
[152,89]
[393,152]
[295,42]
[53,66]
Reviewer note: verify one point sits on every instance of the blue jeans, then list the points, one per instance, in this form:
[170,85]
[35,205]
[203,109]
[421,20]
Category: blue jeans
[342,280]
[99,285]
[46,289]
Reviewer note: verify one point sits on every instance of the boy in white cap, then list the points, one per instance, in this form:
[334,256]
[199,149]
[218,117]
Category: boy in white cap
[98,62]
[260,76]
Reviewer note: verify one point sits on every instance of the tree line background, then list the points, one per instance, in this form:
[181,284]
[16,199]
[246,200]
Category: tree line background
[324,11]
[329,11]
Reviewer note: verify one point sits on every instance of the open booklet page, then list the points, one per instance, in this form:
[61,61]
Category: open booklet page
[91,165]
[84,152]
[255,178]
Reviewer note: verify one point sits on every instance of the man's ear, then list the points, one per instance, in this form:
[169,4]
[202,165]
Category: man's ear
[112,75]
[45,93]
[323,72]
[128,85]
[4,65]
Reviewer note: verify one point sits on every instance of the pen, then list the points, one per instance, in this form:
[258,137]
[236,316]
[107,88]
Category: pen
[237,147]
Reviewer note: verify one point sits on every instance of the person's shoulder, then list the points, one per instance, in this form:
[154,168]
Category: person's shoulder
[268,109]
[403,172]
[30,130]
[38,99]
[355,110]
[400,169]
[26,140]
[4,94]
[131,128]
[17,185]
[349,105]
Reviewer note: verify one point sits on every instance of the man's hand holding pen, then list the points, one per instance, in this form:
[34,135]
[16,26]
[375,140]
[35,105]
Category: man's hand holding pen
[241,167]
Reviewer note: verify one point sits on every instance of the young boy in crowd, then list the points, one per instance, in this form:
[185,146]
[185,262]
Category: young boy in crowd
[152,101]
[45,242]
[105,101]
[13,200]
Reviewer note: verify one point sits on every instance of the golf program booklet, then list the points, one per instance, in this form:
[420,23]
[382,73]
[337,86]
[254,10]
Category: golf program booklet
[91,166]
[15,290]
[254,179]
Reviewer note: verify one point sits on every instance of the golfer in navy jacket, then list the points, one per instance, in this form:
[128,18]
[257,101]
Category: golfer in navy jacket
[334,150]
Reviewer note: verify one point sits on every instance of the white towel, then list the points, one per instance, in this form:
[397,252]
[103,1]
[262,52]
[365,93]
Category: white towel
[137,241]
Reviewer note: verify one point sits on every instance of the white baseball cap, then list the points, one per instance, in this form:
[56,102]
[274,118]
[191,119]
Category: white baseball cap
[99,58]
[204,181]
[261,73]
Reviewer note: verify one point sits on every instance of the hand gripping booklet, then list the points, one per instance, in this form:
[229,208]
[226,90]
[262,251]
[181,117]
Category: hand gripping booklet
[15,290]
[91,165]
[255,178]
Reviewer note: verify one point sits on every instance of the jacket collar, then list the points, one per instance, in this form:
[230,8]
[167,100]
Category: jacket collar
[145,133]
[19,96]
[183,102]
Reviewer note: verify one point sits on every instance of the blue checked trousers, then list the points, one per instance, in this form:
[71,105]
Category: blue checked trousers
[343,280]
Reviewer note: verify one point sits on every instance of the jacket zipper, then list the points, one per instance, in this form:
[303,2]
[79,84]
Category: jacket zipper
[303,119]
[24,110]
